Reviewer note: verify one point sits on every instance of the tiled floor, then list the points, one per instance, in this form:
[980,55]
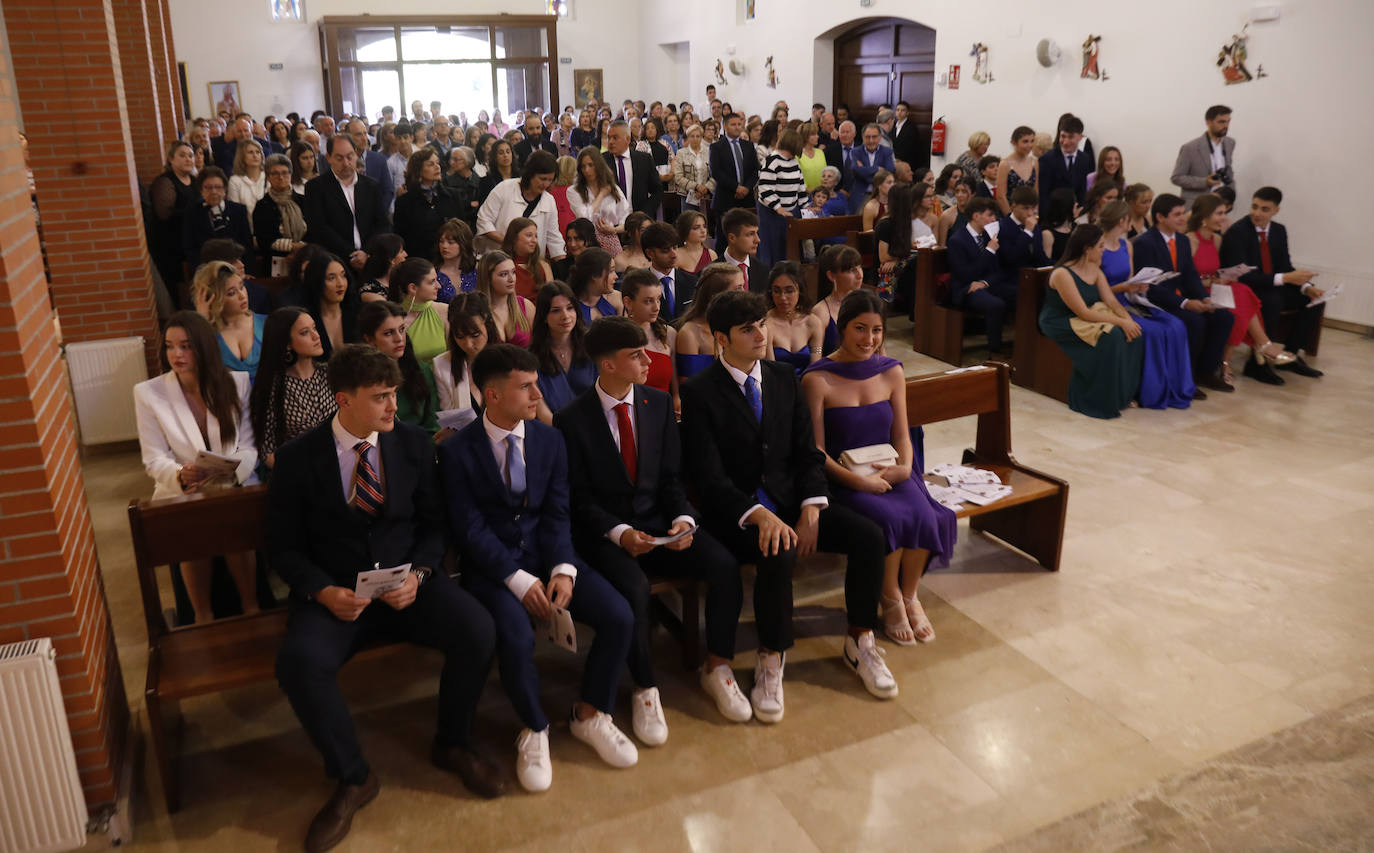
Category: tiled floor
[1215,589]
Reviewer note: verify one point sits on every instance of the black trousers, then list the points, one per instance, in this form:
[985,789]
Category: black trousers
[842,531]
[706,558]
[443,616]
[994,302]
[1274,300]
[1207,334]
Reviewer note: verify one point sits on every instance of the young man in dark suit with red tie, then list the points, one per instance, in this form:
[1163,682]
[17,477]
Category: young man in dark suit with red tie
[1259,241]
[356,493]
[624,464]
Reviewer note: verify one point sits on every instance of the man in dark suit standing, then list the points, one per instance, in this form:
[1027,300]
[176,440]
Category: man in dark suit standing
[356,493]
[906,139]
[659,241]
[344,209]
[534,140]
[735,167]
[1065,166]
[748,434]
[740,227]
[865,162]
[1165,246]
[372,163]
[1262,243]
[977,280]
[634,171]
[624,463]
[840,154]
[506,477]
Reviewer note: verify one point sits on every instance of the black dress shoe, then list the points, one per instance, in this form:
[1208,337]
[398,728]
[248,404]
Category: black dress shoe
[1199,394]
[480,776]
[1301,368]
[332,823]
[1262,373]
[1214,382]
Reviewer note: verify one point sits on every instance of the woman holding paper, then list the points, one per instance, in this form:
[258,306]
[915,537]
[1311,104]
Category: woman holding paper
[857,398]
[1167,378]
[1206,224]
[195,435]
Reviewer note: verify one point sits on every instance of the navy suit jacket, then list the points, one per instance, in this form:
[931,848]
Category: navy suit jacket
[498,533]
[1240,245]
[722,161]
[1016,249]
[1055,174]
[684,291]
[969,262]
[1151,250]
[865,165]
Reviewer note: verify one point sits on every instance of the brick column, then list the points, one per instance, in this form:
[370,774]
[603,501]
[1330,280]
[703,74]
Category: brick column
[68,76]
[172,74]
[50,582]
[165,69]
[141,87]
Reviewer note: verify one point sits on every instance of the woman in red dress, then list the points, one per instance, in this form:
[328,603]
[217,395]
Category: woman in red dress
[522,244]
[642,295]
[693,255]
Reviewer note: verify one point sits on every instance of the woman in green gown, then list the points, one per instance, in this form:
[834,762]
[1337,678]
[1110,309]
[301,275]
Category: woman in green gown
[415,287]
[1093,328]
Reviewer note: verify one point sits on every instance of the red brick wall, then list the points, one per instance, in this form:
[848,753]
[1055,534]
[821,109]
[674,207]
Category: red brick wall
[50,582]
[165,69]
[141,87]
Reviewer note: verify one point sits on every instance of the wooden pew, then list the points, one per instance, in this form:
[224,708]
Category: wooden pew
[800,230]
[213,657]
[1038,363]
[1031,518]
[937,326]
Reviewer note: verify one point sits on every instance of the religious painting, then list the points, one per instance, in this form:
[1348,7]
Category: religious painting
[772,73]
[225,99]
[981,72]
[748,10]
[287,10]
[1232,60]
[1092,70]
[589,86]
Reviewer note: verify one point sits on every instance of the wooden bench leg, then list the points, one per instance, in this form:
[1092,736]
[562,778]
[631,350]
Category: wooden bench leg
[164,752]
[1036,528]
[691,627]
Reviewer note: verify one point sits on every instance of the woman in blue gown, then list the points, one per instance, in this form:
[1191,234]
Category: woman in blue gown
[695,347]
[1167,380]
[839,272]
[857,398]
[794,333]
[565,369]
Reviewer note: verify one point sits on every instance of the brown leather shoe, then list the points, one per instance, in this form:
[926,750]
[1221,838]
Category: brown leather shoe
[332,823]
[480,776]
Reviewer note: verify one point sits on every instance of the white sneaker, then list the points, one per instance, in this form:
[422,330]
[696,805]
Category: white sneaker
[599,732]
[720,685]
[767,692]
[649,725]
[532,766]
[864,657]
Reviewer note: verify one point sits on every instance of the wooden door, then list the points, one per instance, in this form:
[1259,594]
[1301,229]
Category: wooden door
[885,61]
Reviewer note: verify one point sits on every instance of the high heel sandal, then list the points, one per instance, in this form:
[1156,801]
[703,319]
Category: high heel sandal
[1226,375]
[916,615]
[1274,353]
[895,622]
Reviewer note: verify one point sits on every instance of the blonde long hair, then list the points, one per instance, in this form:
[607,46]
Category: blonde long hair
[516,321]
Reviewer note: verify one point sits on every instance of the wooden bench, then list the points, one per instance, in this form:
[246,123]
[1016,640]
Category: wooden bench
[1038,363]
[238,651]
[1031,518]
[937,326]
[800,230]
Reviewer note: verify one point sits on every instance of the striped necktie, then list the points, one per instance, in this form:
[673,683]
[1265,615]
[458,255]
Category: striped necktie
[367,486]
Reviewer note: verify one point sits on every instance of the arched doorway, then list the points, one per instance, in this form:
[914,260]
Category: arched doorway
[883,61]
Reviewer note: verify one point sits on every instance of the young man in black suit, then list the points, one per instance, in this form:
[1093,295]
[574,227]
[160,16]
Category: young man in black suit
[1019,244]
[1262,243]
[978,281]
[634,171]
[358,492]
[624,464]
[1165,246]
[343,208]
[735,167]
[740,228]
[506,477]
[1065,166]
[659,241]
[753,460]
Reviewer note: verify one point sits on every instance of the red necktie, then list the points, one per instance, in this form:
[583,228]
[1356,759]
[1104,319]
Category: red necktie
[744,268]
[1173,254]
[1266,262]
[627,440]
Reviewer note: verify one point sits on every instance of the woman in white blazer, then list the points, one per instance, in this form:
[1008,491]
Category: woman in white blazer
[197,405]
[470,328]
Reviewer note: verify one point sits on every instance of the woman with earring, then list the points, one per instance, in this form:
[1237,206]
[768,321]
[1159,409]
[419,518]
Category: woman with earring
[414,287]
[291,393]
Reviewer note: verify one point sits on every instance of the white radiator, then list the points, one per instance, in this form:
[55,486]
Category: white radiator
[41,805]
[103,375]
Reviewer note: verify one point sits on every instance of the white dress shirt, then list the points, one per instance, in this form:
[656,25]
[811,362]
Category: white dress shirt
[344,442]
[734,261]
[757,372]
[608,404]
[518,581]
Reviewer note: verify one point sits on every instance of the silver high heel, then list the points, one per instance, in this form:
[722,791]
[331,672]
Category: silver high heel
[1272,352]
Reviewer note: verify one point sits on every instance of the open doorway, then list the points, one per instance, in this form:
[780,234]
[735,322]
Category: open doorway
[883,61]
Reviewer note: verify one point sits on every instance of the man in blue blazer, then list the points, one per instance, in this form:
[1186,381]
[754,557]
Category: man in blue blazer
[506,477]
[1166,247]
[977,280]
[1019,243]
[865,163]
[1065,166]
[735,168]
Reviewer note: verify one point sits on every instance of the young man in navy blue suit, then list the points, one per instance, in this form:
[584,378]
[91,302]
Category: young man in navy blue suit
[1166,247]
[977,280]
[659,241]
[1065,166]
[1019,243]
[624,463]
[506,477]
[359,491]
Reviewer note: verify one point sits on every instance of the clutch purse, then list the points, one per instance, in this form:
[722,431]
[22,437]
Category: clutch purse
[861,460]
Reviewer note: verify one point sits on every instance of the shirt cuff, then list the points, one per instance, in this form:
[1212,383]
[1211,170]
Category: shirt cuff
[989,249]
[1278,279]
[748,512]
[686,518]
[519,583]
[616,532]
[564,569]
[821,502]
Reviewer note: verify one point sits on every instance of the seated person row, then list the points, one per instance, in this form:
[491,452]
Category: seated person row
[978,280]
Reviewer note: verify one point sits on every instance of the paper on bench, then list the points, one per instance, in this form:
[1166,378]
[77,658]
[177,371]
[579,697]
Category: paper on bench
[378,582]
[949,474]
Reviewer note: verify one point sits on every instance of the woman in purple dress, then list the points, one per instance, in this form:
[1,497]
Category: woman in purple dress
[858,398]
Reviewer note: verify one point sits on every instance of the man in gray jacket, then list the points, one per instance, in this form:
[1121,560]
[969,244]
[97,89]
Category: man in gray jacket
[1205,163]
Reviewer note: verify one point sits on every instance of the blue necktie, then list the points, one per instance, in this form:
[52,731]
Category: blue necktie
[751,394]
[734,146]
[515,465]
[667,281]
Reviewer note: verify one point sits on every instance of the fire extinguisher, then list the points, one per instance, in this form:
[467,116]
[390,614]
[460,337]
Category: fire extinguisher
[937,136]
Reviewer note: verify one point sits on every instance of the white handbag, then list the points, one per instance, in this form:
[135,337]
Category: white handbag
[862,460]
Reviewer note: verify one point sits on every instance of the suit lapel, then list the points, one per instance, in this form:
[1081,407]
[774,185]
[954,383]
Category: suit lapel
[735,394]
[648,442]
[327,469]
[486,459]
[394,473]
[177,401]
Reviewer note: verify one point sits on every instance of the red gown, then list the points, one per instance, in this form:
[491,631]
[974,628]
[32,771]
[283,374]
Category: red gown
[660,371]
[524,280]
[1247,303]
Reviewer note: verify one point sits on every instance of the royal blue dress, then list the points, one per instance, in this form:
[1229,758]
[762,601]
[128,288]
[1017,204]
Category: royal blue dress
[602,305]
[467,282]
[1167,380]
[690,364]
[800,360]
[560,389]
[909,517]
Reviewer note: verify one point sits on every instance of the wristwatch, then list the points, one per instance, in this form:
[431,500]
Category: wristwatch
[421,575]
